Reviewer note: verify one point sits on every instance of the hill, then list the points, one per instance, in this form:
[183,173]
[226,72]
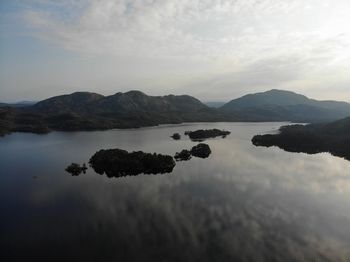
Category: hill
[279,105]
[18,104]
[78,102]
[91,111]
[214,104]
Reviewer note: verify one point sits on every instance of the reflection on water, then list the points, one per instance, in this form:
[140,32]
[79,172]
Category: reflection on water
[241,204]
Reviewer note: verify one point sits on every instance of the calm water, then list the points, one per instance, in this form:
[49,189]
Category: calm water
[243,203]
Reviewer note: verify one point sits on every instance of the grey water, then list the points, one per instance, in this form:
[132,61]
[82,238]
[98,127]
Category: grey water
[243,203]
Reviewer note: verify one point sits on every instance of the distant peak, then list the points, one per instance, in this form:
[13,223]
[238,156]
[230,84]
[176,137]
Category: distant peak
[85,93]
[280,91]
[135,92]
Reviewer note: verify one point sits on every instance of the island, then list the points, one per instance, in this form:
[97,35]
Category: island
[75,169]
[118,163]
[202,134]
[184,155]
[176,136]
[331,137]
[201,150]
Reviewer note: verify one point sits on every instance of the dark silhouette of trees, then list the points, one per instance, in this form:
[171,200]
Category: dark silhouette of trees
[75,169]
[201,150]
[176,136]
[118,162]
[202,134]
[312,139]
[184,155]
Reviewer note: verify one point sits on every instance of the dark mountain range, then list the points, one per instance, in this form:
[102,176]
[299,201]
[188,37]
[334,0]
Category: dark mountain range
[91,111]
[340,127]
[333,137]
[78,102]
[18,104]
[214,104]
[132,101]
[130,109]
[279,105]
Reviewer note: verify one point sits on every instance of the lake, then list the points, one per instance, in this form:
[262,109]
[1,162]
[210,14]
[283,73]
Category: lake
[243,203]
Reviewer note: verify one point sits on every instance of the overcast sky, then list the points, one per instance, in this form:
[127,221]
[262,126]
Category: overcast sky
[215,50]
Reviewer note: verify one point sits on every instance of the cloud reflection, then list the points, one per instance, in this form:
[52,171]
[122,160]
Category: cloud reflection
[243,203]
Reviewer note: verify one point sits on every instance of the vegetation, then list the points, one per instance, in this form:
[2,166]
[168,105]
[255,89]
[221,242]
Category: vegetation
[184,155]
[75,169]
[206,133]
[176,136]
[314,138]
[201,150]
[118,162]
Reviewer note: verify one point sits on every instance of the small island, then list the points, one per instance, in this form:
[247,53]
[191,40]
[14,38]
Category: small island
[184,155]
[202,134]
[201,150]
[75,169]
[332,137]
[176,136]
[118,163]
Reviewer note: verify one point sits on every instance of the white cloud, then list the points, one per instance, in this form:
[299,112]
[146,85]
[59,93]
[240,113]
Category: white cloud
[236,44]
[195,28]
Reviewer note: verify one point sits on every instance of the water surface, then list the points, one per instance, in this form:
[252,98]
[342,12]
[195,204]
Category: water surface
[243,203]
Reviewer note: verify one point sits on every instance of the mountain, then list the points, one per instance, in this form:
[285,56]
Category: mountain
[136,101]
[340,127]
[279,105]
[214,104]
[272,97]
[78,102]
[91,111]
[132,101]
[331,137]
[18,104]
[130,109]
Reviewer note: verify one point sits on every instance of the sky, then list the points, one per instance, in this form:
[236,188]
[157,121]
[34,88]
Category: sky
[215,50]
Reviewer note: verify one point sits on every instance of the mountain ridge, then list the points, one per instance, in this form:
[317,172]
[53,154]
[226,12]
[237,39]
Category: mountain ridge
[92,111]
[132,109]
[281,105]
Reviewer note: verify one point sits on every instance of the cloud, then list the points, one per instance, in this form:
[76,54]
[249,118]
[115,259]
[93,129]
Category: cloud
[187,28]
[232,45]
